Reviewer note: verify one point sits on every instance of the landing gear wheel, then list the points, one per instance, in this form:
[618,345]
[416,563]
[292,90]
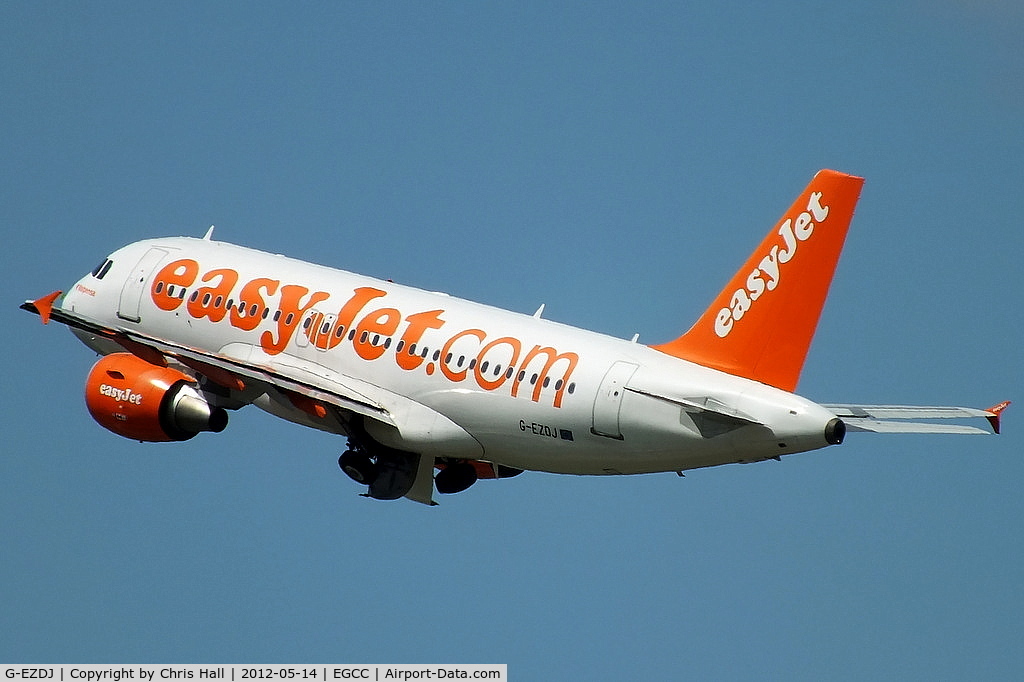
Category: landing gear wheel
[455,478]
[358,467]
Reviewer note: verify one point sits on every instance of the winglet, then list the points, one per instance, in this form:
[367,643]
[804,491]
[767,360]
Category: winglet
[761,324]
[44,305]
[995,412]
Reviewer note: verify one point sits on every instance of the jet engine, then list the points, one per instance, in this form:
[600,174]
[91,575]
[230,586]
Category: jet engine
[146,402]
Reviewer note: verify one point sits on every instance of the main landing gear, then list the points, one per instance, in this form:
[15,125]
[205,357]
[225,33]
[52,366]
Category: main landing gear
[455,478]
[358,466]
[390,474]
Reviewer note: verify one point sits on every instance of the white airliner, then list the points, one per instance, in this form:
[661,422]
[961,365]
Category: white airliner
[421,381]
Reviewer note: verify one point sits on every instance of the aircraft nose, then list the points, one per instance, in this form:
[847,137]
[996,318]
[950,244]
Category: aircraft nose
[73,296]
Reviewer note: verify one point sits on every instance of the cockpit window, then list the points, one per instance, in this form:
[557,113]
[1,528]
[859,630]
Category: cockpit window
[100,270]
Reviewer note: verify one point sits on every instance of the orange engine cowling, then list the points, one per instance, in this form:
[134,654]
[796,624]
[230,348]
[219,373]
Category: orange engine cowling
[137,400]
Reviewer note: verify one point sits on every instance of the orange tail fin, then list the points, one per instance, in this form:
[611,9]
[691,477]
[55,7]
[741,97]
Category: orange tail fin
[761,325]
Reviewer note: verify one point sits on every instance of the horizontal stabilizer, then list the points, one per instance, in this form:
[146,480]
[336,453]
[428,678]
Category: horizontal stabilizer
[710,417]
[705,405]
[879,418]
[874,426]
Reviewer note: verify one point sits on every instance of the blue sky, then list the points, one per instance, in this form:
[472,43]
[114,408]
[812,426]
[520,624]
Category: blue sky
[616,162]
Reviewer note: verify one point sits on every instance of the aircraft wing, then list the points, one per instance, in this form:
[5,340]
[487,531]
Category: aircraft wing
[227,371]
[310,387]
[892,418]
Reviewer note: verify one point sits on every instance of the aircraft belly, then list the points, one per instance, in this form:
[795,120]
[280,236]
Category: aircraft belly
[656,436]
[523,435]
[651,435]
[425,431]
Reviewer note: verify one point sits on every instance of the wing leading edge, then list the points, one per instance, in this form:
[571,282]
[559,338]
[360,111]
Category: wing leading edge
[889,418]
[219,368]
[309,388]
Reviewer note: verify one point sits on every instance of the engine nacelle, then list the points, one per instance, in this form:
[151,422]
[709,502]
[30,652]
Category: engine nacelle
[137,400]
